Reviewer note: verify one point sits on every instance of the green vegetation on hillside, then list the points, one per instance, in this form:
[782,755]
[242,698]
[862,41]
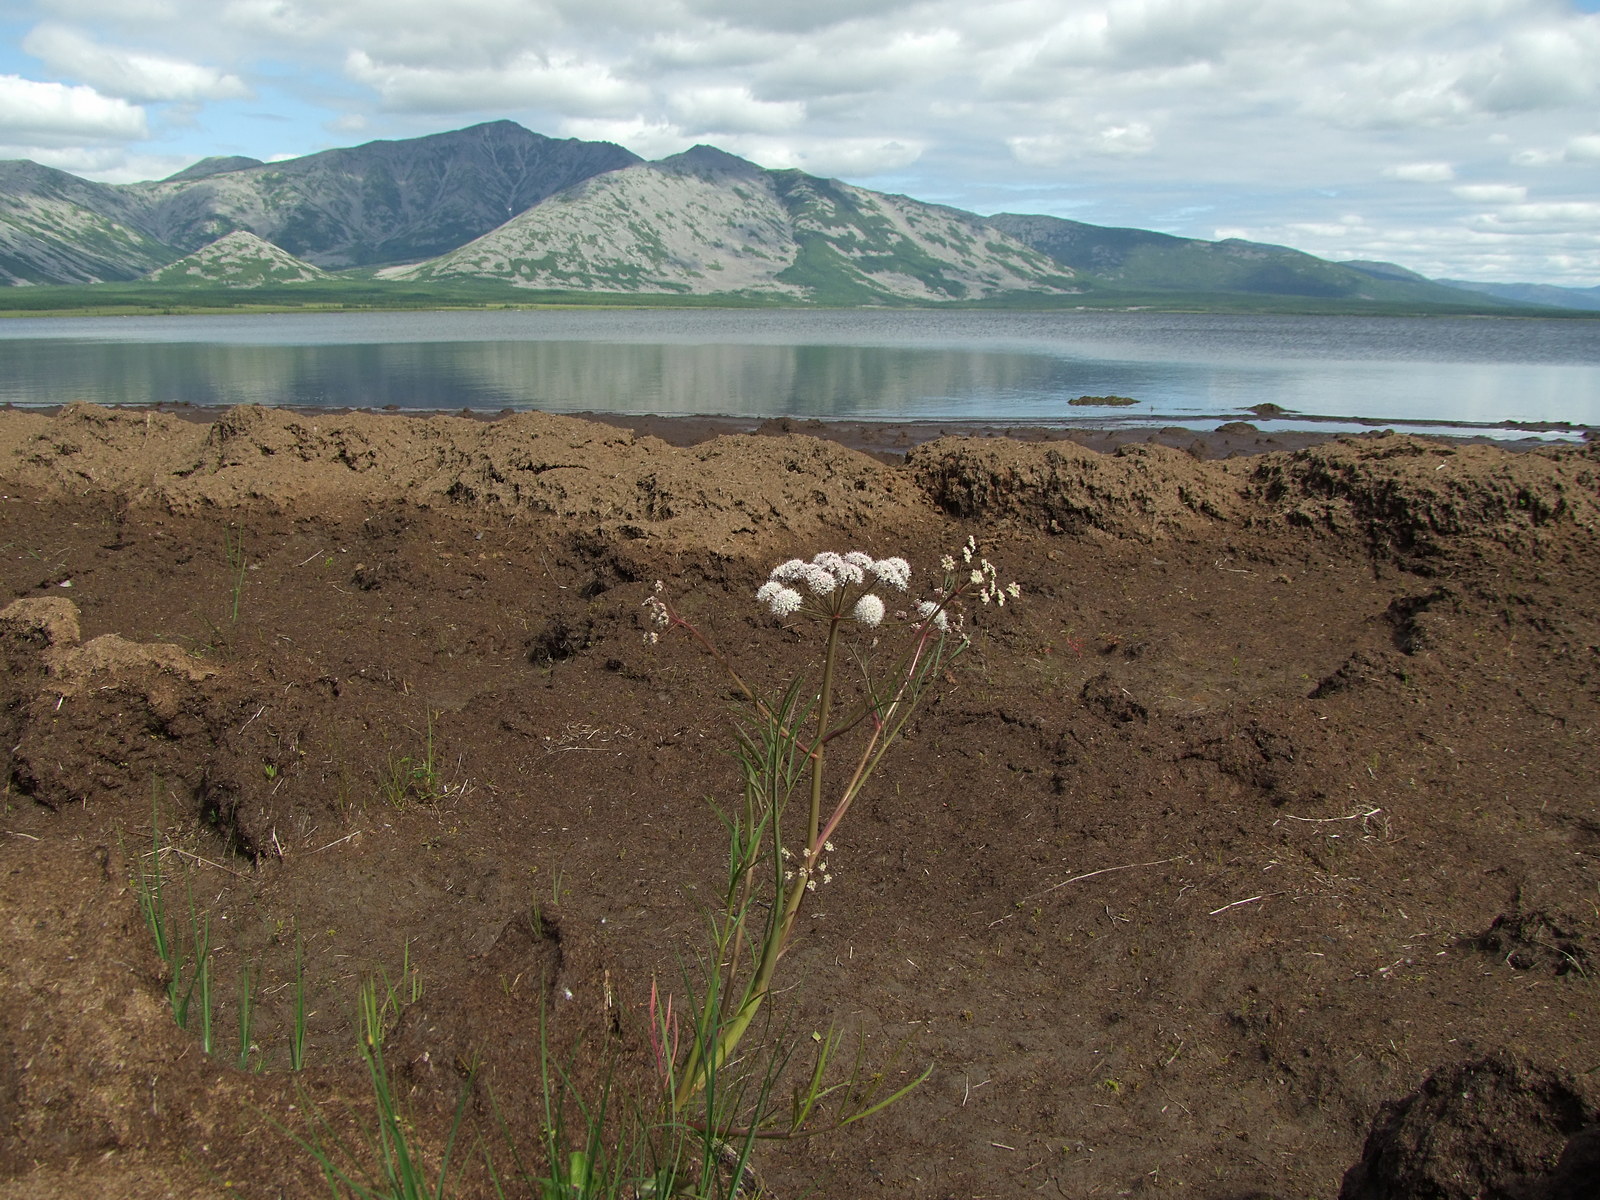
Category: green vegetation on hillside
[354,295]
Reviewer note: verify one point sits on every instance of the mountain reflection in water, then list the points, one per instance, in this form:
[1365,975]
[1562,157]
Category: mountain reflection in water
[896,365]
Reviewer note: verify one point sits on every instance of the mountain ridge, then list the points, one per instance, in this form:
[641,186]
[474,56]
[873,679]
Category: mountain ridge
[500,205]
[707,222]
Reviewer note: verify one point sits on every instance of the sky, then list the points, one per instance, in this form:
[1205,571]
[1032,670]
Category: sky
[1458,138]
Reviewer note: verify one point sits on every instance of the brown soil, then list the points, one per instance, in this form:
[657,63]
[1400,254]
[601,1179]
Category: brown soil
[1254,853]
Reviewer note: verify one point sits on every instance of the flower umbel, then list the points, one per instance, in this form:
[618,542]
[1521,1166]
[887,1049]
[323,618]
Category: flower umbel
[868,610]
[780,599]
[837,581]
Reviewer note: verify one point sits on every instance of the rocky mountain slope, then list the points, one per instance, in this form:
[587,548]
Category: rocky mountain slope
[384,202]
[239,259]
[706,222]
[57,228]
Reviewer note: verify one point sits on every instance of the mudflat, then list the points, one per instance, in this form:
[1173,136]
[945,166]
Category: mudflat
[1253,851]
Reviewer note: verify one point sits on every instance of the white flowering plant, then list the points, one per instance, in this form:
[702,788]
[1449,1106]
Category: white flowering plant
[821,744]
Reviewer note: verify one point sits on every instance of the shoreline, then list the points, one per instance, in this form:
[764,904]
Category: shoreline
[889,441]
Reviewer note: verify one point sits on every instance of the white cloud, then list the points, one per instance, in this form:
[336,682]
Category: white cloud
[129,74]
[556,82]
[722,48]
[859,157]
[728,109]
[1585,148]
[1491,193]
[795,18]
[1485,250]
[1566,214]
[1421,172]
[1541,67]
[854,61]
[647,139]
[1124,140]
[52,114]
[1345,227]
[1536,158]
[1103,138]
[154,11]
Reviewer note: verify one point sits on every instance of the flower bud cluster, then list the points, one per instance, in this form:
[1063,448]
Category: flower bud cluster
[809,875]
[786,589]
[983,576]
[660,618]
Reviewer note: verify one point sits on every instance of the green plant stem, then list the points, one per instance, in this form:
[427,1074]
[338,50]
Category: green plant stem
[717,1038]
[297,1028]
[824,707]
[885,732]
[247,1013]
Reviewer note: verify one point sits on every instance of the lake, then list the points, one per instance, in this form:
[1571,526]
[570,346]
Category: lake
[1431,374]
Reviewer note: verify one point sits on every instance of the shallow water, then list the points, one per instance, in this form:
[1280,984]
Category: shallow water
[1194,370]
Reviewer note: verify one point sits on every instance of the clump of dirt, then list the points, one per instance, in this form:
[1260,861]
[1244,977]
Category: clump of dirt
[1533,941]
[1491,1127]
[1270,801]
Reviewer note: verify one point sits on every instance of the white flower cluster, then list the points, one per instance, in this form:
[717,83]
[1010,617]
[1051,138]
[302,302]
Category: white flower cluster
[660,615]
[828,573]
[983,576]
[810,874]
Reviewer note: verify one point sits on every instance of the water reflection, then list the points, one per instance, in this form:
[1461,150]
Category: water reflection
[890,366]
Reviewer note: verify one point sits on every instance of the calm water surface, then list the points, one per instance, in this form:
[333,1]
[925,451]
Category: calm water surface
[1009,367]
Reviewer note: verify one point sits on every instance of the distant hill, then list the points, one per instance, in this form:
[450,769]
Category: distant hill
[1534,293]
[238,259]
[1138,259]
[706,222]
[1385,270]
[497,209]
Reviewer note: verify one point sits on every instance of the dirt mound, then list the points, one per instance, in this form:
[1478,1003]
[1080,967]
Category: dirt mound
[1142,491]
[1402,495]
[734,492]
[1413,496]
[1492,1128]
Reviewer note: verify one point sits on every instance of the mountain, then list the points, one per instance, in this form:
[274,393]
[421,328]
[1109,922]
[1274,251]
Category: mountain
[706,222]
[57,228]
[216,165]
[238,259]
[495,206]
[1534,293]
[1385,270]
[380,203]
[1139,260]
